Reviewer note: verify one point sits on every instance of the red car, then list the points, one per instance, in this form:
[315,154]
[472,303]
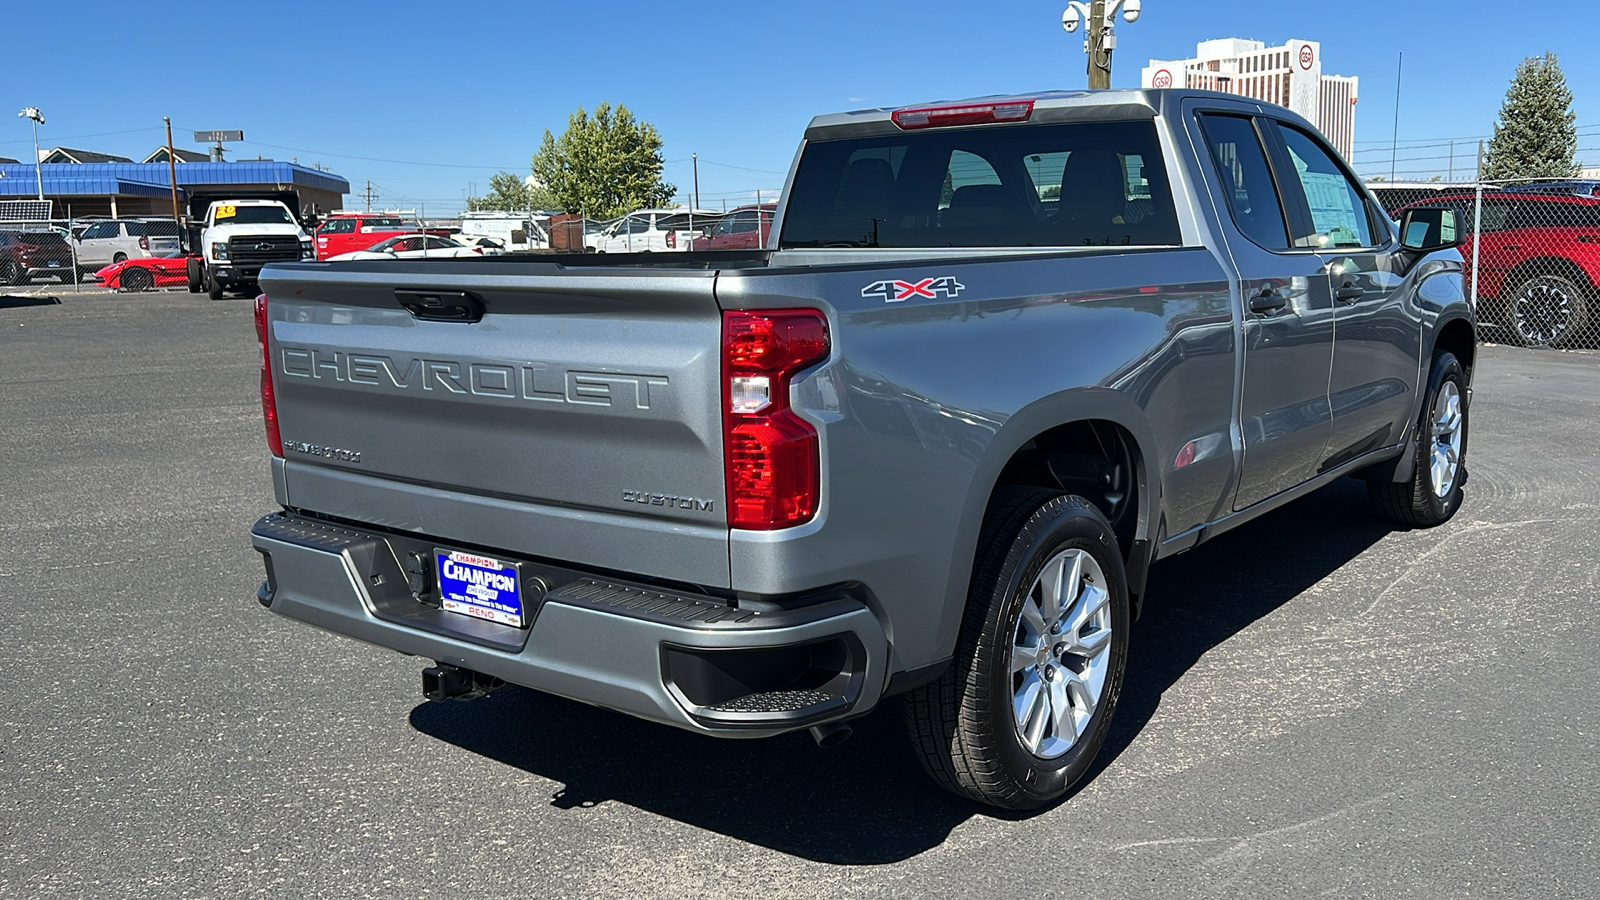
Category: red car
[144,274]
[1538,263]
[349,232]
[744,228]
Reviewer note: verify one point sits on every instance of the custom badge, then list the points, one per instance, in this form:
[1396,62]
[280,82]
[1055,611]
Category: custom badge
[898,291]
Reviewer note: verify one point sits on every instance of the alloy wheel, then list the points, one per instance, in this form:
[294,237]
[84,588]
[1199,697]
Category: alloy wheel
[1060,653]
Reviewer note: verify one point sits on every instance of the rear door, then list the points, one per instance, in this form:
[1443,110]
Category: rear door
[579,418]
[1287,315]
[1377,348]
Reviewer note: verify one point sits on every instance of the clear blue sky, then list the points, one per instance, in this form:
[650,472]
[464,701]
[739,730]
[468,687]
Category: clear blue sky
[427,98]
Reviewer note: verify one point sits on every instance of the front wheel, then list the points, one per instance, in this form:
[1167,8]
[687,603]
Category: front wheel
[136,280]
[213,287]
[1022,711]
[1439,468]
[1548,311]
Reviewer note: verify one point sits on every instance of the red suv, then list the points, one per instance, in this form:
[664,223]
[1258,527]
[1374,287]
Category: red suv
[1538,263]
[27,255]
[348,232]
[743,228]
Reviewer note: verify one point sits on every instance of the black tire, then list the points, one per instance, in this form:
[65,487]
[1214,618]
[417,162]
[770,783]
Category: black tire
[1415,503]
[136,280]
[118,257]
[962,724]
[1548,311]
[213,287]
[196,275]
[10,273]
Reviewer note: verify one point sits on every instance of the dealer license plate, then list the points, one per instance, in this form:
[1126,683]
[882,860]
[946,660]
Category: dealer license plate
[480,586]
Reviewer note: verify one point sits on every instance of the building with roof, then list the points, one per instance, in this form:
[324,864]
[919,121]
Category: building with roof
[68,155]
[1289,75]
[159,155]
[123,188]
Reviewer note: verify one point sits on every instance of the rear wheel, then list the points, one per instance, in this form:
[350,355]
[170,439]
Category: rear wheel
[1548,311]
[119,257]
[135,280]
[1027,701]
[1433,494]
[196,275]
[10,273]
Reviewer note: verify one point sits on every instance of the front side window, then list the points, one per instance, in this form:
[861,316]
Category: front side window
[1338,207]
[984,186]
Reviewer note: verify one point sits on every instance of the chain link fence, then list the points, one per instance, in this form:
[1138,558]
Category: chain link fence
[1532,255]
[39,254]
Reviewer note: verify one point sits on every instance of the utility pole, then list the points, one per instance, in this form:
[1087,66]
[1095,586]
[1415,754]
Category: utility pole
[695,158]
[368,195]
[1394,140]
[172,171]
[1100,38]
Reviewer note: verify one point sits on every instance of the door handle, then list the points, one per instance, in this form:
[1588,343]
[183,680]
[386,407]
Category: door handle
[1348,293]
[1268,302]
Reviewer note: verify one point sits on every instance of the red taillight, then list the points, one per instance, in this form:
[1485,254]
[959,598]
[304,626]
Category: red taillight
[144,243]
[965,114]
[771,453]
[269,403]
[672,240]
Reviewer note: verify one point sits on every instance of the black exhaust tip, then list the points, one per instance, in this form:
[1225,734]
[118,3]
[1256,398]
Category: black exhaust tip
[830,735]
[442,681]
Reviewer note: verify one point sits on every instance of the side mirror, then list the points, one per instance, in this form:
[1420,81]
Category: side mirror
[1426,230]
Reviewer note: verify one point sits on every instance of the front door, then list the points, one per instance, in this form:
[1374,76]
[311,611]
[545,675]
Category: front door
[1287,317]
[1377,345]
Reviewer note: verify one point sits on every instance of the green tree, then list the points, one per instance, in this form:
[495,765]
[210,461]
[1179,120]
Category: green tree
[508,192]
[603,165]
[1536,136]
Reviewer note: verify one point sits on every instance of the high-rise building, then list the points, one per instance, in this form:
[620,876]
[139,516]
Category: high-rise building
[1290,75]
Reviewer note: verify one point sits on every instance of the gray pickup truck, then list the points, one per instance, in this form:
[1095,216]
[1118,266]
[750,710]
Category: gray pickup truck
[1003,356]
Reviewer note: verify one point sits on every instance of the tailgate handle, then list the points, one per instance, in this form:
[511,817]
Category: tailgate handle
[441,306]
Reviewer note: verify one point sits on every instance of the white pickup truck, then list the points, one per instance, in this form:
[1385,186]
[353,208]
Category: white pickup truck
[240,237]
[654,230]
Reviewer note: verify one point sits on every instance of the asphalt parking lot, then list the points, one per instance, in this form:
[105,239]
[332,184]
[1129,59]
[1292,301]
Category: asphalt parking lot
[1316,705]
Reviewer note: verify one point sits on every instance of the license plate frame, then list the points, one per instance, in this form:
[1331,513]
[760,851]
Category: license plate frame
[480,587]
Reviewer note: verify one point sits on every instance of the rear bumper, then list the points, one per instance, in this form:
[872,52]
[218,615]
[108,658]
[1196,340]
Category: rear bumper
[681,659]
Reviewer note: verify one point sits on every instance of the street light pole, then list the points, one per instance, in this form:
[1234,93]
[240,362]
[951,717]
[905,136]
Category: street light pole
[1100,38]
[33,113]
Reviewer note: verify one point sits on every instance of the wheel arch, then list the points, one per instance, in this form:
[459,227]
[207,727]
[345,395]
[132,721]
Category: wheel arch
[1544,265]
[1053,423]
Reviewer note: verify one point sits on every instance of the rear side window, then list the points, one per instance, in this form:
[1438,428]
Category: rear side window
[42,238]
[990,186]
[1246,179]
[339,226]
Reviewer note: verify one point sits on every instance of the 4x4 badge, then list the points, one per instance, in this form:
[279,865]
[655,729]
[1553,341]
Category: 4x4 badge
[896,291]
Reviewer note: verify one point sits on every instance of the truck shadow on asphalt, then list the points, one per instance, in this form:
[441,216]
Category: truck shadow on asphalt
[867,801]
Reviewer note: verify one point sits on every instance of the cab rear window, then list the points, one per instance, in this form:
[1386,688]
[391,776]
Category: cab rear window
[1092,183]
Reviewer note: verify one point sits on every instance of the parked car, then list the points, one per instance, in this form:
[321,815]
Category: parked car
[115,240]
[1538,263]
[654,231]
[412,246]
[743,228]
[342,233]
[142,274]
[769,493]
[26,256]
[1579,188]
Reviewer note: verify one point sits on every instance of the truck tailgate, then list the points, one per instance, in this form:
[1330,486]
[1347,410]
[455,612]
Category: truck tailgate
[578,419]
